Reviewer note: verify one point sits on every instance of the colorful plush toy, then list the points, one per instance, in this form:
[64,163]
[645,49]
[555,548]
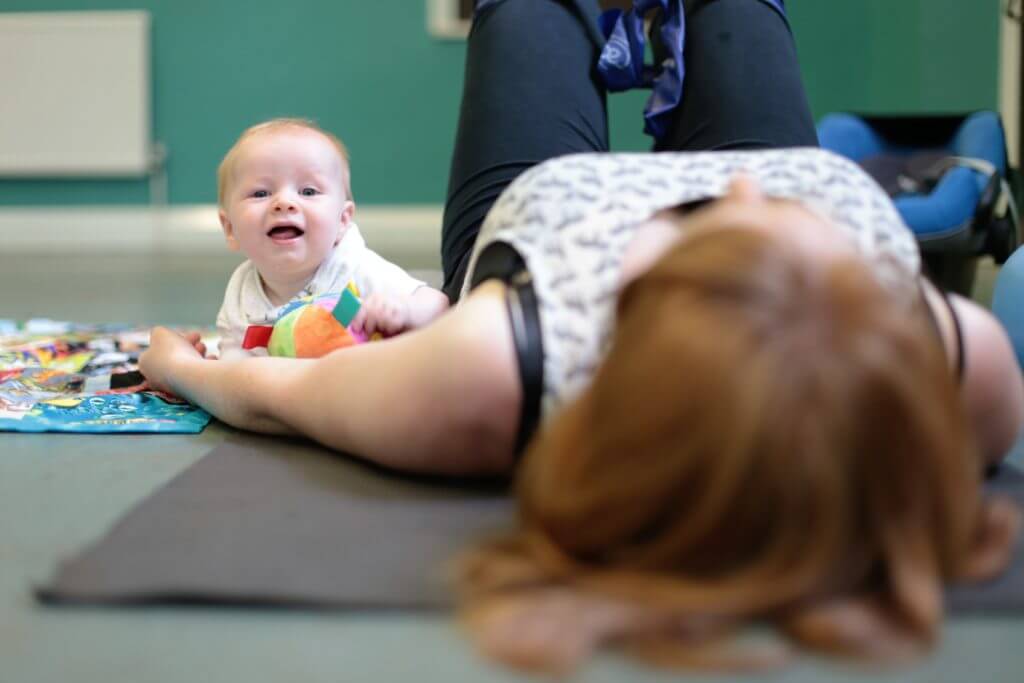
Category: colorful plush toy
[310,327]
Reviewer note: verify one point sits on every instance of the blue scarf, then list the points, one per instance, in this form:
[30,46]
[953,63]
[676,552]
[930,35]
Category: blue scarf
[622,60]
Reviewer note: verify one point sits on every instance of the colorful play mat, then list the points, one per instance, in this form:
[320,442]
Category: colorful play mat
[67,377]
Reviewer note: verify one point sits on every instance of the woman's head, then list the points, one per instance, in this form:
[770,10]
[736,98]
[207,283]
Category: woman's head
[769,437]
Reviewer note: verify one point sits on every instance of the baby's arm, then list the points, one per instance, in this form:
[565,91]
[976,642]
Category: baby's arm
[394,301]
[425,304]
[392,314]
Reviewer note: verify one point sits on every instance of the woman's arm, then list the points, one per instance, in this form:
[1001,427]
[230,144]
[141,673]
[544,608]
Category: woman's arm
[230,389]
[993,388]
[444,399]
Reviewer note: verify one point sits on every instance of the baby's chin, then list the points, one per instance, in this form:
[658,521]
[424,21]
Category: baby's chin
[287,268]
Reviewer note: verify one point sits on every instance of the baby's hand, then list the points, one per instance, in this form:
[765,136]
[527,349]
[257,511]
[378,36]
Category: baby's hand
[380,313]
[197,342]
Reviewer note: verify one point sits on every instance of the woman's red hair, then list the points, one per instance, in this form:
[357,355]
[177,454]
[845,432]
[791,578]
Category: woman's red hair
[768,439]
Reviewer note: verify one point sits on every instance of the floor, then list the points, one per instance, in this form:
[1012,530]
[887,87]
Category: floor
[59,492]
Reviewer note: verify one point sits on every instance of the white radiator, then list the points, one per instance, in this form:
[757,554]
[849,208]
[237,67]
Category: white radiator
[75,94]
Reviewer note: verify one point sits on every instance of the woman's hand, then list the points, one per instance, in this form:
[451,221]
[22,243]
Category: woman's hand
[167,351]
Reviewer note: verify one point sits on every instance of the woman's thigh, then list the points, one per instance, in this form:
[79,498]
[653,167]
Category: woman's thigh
[531,92]
[743,88]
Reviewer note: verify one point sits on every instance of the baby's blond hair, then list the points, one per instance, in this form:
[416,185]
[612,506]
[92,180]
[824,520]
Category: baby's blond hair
[272,126]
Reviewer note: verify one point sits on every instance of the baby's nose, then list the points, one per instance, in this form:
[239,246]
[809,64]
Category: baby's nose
[284,202]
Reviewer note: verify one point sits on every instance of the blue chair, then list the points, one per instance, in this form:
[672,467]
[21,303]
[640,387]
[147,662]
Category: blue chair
[950,180]
[1008,301]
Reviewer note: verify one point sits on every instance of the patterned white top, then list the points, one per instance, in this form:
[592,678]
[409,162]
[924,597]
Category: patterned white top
[246,303]
[571,219]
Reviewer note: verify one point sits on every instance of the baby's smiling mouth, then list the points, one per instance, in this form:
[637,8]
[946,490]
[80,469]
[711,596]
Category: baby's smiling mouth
[285,232]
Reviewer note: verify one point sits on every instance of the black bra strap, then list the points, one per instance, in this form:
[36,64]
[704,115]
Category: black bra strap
[523,316]
[500,260]
[959,332]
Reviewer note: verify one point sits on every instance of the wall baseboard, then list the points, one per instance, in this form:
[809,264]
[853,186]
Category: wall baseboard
[389,230]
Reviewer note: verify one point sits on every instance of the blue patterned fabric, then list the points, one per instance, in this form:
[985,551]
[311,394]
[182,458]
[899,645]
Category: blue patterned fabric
[481,4]
[622,66]
[622,60]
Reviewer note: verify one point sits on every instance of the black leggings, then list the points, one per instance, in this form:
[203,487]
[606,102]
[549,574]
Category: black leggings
[532,92]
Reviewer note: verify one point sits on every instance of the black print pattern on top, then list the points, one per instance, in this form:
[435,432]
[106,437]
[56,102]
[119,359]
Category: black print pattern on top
[571,219]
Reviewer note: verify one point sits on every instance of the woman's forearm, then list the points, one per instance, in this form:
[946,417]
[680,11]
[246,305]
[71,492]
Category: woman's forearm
[239,392]
[391,402]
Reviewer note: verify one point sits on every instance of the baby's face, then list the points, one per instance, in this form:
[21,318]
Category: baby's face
[285,207]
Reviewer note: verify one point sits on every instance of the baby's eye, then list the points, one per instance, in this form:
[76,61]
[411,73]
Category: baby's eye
[309,191]
[259,194]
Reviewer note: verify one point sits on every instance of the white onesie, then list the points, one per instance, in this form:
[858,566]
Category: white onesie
[246,302]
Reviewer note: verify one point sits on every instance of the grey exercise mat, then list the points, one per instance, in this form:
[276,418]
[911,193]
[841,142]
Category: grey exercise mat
[1005,593]
[246,525]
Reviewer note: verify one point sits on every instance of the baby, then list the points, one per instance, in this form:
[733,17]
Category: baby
[286,203]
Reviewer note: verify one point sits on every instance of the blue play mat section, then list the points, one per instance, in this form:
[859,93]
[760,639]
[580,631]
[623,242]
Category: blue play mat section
[134,413]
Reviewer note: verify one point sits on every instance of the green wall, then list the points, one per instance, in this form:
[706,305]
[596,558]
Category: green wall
[370,72]
[898,56]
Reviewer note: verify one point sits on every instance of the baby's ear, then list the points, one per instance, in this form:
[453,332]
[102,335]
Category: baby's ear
[229,230]
[348,210]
